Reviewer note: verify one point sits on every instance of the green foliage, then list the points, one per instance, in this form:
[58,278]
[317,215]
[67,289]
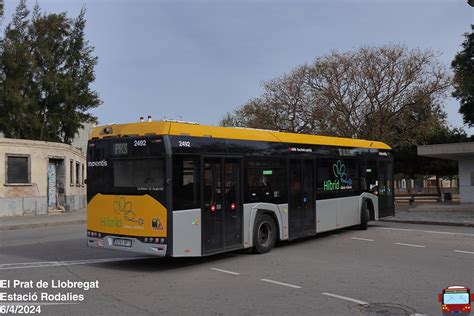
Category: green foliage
[48,67]
[463,66]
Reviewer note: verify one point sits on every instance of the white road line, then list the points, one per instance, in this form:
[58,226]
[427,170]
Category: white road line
[446,233]
[364,239]
[426,231]
[409,245]
[462,251]
[281,283]
[335,235]
[29,265]
[225,271]
[402,229]
[347,298]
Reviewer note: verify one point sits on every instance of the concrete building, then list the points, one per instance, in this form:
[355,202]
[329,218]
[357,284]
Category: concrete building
[82,136]
[39,177]
[463,153]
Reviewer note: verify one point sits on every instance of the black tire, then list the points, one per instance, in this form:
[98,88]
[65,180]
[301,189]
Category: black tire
[264,234]
[364,216]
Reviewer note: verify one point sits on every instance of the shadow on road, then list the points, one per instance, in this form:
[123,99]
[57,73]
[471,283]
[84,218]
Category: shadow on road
[76,249]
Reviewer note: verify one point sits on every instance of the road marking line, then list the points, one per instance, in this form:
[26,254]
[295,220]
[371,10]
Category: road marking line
[409,245]
[446,233]
[365,239]
[426,231]
[281,283]
[335,235]
[347,298]
[462,251]
[225,271]
[28,265]
[402,229]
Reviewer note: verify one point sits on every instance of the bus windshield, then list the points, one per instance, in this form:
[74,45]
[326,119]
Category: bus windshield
[456,298]
[126,166]
[139,173]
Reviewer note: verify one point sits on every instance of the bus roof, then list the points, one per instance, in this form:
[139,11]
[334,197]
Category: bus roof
[238,133]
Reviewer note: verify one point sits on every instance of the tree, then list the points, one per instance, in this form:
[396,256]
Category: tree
[17,85]
[463,66]
[48,66]
[388,93]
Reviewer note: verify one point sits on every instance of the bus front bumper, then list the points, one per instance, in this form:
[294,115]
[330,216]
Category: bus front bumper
[108,242]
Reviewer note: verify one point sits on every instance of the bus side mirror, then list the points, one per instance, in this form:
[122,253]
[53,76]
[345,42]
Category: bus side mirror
[440,297]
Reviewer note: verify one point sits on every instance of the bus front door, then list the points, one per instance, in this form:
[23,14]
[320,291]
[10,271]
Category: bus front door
[385,189]
[301,208]
[221,209]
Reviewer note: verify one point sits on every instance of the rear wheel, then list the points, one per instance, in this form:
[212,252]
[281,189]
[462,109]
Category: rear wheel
[364,216]
[264,234]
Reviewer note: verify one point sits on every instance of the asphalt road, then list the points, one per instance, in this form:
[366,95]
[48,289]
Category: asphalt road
[393,267]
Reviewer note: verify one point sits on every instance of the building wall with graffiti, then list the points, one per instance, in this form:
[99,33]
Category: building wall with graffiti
[39,177]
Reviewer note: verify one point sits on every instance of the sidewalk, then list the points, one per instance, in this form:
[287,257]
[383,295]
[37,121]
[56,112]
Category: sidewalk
[21,222]
[434,214]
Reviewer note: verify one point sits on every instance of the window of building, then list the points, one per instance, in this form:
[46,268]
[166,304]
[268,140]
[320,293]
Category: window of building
[17,169]
[78,169]
[71,171]
[83,176]
[186,193]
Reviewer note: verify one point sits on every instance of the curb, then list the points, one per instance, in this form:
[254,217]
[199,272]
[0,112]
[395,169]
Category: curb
[427,222]
[44,224]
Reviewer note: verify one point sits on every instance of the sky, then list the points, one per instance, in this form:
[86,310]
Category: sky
[196,60]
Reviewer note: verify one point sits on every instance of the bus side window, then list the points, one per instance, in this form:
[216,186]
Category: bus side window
[186,194]
[266,181]
[369,172]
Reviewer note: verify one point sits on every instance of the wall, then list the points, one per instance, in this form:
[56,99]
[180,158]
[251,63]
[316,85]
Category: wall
[32,198]
[466,188]
[82,136]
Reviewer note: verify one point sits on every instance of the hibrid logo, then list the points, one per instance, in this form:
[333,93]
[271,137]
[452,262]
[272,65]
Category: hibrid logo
[341,181]
[121,206]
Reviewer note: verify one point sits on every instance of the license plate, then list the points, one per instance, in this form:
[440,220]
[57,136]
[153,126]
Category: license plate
[122,242]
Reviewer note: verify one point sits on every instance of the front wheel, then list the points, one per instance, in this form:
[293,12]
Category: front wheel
[264,234]
[364,216]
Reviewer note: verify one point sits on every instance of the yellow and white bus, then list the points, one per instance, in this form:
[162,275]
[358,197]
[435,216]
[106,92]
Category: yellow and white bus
[182,189]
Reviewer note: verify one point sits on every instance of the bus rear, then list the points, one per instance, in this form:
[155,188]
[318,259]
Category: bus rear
[126,194]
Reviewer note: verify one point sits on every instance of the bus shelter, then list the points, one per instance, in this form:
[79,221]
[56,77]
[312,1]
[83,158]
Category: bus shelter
[463,153]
